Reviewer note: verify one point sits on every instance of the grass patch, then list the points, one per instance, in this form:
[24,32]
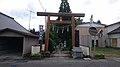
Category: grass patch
[108,52]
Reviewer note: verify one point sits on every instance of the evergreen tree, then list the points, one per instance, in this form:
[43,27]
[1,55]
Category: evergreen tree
[64,8]
[66,35]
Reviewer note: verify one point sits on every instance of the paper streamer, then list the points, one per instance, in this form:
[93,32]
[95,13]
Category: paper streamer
[57,30]
[53,28]
[67,29]
[62,29]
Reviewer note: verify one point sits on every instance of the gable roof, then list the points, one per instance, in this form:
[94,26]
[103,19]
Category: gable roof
[94,23]
[113,24]
[87,24]
[116,31]
[9,22]
[19,32]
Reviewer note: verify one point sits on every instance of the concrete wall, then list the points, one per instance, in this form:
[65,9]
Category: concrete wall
[118,40]
[28,42]
[86,39]
[84,36]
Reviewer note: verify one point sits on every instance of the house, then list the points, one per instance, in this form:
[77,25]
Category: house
[85,39]
[113,35]
[14,37]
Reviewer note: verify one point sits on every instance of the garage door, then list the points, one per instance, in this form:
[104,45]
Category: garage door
[11,44]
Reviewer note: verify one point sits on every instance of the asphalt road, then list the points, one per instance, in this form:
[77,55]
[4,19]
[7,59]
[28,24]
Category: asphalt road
[61,62]
[57,61]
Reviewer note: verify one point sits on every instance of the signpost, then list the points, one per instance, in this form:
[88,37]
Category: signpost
[93,32]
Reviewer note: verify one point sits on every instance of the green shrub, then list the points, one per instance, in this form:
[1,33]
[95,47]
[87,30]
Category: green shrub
[99,56]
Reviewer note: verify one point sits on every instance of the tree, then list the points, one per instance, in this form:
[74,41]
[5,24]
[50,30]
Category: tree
[64,8]
[99,22]
[78,21]
[33,31]
[52,40]
[66,35]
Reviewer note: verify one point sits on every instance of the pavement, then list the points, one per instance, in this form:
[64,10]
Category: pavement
[58,59]
[62,62]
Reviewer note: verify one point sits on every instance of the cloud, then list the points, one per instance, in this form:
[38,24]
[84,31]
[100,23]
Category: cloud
[87,2]
[19,10]
[19,13]
[23,13]
[113,1]
[108,11]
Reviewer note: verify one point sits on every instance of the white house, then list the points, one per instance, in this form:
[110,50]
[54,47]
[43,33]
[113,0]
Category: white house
[113,35]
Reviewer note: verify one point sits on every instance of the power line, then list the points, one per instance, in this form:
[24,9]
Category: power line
[30,17]
[41,5]
[45,11]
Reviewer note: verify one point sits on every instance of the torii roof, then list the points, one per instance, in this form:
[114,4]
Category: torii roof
[60,14]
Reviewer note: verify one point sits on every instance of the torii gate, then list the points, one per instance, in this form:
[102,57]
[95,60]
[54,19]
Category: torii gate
[59,22]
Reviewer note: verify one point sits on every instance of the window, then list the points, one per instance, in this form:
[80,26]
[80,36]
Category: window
[114,42]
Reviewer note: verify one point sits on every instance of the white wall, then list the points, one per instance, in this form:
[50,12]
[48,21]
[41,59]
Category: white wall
[118,42]
[114,36]
[85,38]
[29,41]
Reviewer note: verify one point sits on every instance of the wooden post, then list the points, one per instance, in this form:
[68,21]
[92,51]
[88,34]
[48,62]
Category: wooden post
[47,34]
[73,32]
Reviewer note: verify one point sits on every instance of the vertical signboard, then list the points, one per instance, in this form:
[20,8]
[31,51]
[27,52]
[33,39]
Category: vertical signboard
[40,31]
[40,35]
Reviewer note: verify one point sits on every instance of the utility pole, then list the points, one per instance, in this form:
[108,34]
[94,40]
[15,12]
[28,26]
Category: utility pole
[45,22]
[30,18]
[91,23]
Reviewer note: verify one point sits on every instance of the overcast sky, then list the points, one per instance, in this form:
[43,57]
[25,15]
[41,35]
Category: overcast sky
[107,11]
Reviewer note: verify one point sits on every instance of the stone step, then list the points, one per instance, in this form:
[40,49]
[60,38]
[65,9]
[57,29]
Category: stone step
[60,55]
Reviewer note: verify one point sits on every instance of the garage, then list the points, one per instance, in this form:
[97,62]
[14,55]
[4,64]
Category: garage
[14,38]
[11,45]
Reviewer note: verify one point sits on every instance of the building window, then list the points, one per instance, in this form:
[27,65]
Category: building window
[114,42]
